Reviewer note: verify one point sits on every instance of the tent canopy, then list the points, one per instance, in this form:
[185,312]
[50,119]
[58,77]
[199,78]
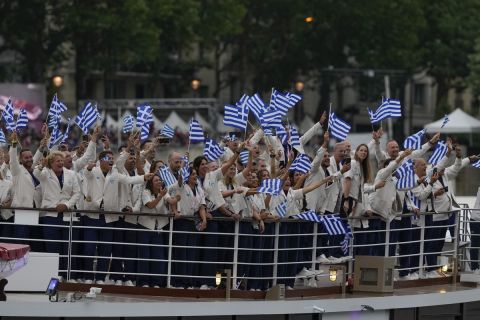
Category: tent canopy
[460,122]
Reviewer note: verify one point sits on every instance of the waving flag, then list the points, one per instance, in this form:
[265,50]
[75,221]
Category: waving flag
[301,164]
[283,102]
[271,186]
[439,152]
[414,141]
[167,131]
[212,150]
[445,121]
[281,209]
[338,128]
[127,123]
[346,240]
[56,108]
[388,109]
[294,137]
[167,176]
[406,175]
[22,119]
[144,114]
[55,137]
[269,115]
[145,131]
[87,117]
[244,157]
[333,224]
[196,132]
[67,132]
[309,215]
[236,116]
[7,116]
[2,137]
[276,124]
[476,164]
[257,106]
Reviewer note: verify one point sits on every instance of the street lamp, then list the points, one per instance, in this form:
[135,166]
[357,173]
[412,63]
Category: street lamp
[309,19]
[195,84]
[299,85]
[57,81]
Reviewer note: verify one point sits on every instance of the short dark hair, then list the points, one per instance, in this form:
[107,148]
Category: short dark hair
[197,161]
[102,154]
[24,150]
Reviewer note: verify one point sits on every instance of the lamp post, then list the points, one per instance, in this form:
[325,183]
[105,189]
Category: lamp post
[195,84]
[57,81]
[298,111]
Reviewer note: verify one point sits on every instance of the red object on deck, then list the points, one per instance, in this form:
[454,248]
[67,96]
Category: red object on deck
[12,251]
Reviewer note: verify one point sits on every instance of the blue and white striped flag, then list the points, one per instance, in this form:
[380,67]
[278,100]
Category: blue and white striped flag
[167,131]
[271,186]
[144,114]
[294,137]
[269,115]
[244,157]
[87,117]
[236,116]
[145,131]
[283,101]
[406,175]
[7,116]
[445,121]
[277,124]
[476,164]
[67,132]
[301,164]
[414,141]
[212,150]
[55,137]
[2,137]
[281,209]
[167,176]
[439,152]
[389,108]
[56,108]
[257,106]
[333,224]
[127,123]
[22,119]
[196,132]
[338,128]
[345,242]
[268,132]
[309,215]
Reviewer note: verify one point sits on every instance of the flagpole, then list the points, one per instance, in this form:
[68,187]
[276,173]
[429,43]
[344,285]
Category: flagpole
[329,113]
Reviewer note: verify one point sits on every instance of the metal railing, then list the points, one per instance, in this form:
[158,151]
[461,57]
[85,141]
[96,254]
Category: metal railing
[261,259]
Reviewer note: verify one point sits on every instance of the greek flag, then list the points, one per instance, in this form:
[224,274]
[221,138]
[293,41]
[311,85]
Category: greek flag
[476,164]
[445,121]
[414,141]
[338,128]
[56,108]
[53,120]
[236,116]
[283,102]
[439,152]
[7,116]
[196,132]
[406,175]
[333,224]
[22,119]
[294,137]
[276,124]
[281,209]
[55,137]
[257,106]
[167,176]
[271,186]
[244,157]
[268,132]
[67,132]
[212,150]
[345,242]
[144,114]
[301,164]
[167,131]
[87,117]
[127,123]
[309,215]
[270,115]
[145,131]
[389,108]
[2,137]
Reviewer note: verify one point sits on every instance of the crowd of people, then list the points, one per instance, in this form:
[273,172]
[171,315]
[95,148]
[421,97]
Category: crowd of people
[119,201]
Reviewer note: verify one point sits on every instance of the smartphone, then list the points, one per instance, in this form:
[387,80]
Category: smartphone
[347,160]
[434,170]
[85,137]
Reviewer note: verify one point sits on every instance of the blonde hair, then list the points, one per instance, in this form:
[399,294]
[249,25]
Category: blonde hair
[51,157]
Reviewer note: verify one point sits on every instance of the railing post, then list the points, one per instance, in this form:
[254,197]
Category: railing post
[314,245]
[235,252]
[422,239]
[456,243]
[170,245]
[275,253]
[387,238]
[70,239]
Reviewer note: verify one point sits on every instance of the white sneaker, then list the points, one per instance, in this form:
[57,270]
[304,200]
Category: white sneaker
[72,281]
[305,273]
[414,276]
[312,283]
[345,259]
[145,286]
[204,287]
[156,287]
[88,281]
[129,283]
[432,275]
[119,283]
[334,260]
[100,282]
[289,288]
[322,259]
[79,280]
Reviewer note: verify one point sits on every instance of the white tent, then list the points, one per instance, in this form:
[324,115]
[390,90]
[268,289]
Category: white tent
[112,123]
[204,123]
[459,122]
[175,121]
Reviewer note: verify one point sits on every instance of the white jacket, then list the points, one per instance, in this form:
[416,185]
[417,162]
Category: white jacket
[5,195]
[153,222]
[25,194]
